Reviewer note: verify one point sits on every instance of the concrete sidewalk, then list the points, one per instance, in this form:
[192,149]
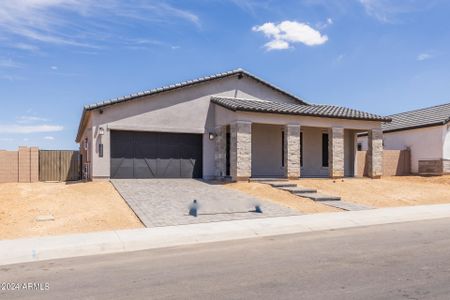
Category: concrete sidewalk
[53,247]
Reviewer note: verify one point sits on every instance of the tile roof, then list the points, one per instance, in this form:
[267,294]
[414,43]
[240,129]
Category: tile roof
[430,116]
[187,83]
[329,111]
[236,72]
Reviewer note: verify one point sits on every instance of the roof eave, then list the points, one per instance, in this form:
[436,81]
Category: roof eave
[295,114]
[440,123]
[82,125]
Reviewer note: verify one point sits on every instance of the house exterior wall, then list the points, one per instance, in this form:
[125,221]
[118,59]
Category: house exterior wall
[312,152]
[186,110]
[446,143]
[429,143]
[349,153]
[267,150]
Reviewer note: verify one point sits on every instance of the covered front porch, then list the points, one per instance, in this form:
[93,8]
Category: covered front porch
[246,149]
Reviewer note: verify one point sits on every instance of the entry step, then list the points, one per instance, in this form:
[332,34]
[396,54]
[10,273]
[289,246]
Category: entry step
[320,197]
[298,190]
[282,184]
[262,180]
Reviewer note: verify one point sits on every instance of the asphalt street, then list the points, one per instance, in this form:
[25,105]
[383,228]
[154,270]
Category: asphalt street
[398,261]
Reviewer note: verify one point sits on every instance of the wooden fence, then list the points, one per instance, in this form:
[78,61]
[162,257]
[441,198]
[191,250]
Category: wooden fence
[59,165]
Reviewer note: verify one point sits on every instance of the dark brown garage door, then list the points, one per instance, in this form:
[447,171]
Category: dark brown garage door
[155,155]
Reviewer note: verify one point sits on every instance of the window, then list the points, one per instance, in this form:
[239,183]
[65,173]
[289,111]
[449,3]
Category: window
[359,146]
[325,150]
[227,159]
[282,148]
[301,149]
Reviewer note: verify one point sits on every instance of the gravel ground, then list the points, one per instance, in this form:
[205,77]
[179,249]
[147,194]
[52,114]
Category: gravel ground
[75,207]
[387,191]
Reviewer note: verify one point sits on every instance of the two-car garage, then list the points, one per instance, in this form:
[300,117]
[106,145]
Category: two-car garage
[137,154]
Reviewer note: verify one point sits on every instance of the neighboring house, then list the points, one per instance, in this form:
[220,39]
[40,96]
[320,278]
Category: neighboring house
[425,132]
[231,124]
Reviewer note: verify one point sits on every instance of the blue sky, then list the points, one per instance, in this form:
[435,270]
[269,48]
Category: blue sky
[381,56]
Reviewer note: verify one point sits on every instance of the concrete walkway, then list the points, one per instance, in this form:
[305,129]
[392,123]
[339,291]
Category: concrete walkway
[53,247]
[166,202]
[334,201]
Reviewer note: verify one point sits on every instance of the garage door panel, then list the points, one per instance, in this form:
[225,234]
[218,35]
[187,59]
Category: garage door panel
[190,168]
[155,155]
[145,168]
[121,155]
[122,168]
[169,168]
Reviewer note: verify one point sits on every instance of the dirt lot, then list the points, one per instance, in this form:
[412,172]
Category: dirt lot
[266,192]
[76,208]
[386,192]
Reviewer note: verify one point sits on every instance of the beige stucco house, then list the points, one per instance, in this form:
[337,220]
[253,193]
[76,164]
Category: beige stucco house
[425,132]
[229,125]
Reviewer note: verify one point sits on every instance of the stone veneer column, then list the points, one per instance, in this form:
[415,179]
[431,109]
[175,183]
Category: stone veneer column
[336,152]
[292,151]
[220,151]
[241,150]
[375,153]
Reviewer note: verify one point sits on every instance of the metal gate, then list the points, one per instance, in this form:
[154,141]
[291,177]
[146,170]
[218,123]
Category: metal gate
[59,165]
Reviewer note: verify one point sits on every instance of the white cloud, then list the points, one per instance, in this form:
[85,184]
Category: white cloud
[81,23]
[387,11]
[24,46]
[277,45]
[322,25]
[50,138]
[30,119]
[9,63]
[54,68]
[25,129]
[339,58]
[251,6]
[284,34]
[424,56]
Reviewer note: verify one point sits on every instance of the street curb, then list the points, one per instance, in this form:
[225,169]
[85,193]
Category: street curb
[75,245]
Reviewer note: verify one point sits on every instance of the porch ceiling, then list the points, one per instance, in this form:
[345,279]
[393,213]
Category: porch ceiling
[265,106]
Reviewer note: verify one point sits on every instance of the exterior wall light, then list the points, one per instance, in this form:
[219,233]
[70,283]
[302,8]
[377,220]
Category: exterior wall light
[212,136]
[101,131]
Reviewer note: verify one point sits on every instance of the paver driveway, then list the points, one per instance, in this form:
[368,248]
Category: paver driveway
[166,202]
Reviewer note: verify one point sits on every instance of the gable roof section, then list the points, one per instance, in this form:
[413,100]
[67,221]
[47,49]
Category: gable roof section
[425,117]
[189,83]
[265,106]
[237,72]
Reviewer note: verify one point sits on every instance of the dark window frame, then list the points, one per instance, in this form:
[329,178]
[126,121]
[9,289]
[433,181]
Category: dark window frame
[325,150]
[301,149]
[282,148]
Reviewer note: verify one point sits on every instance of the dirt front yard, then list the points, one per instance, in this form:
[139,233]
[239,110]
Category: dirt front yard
[387,191]
[266,192]
[75,207]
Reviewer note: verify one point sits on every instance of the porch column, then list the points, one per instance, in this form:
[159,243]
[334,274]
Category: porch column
[292,151]
[241,150]
[220,151]
[336,152]
[375,153]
